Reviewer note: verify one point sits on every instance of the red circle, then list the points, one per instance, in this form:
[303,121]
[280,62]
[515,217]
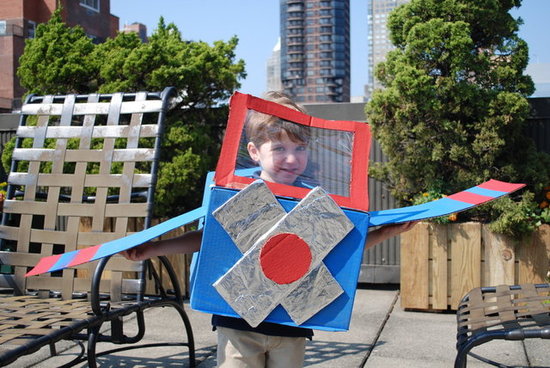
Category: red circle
[285,258]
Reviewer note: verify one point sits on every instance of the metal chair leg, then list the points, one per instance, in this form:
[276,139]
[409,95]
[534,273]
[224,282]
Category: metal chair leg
[92,342]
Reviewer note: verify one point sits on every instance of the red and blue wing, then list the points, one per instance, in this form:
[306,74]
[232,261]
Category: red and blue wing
[457,202]
[77,257]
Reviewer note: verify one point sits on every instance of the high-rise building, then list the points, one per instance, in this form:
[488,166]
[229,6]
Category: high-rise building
[379,43]
[315,50]
[273,69]
[18,20]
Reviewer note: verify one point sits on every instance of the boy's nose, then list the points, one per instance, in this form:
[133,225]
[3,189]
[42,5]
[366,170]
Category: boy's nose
[291,157]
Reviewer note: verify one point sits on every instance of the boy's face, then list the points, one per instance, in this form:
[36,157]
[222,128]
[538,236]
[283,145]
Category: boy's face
[282,161]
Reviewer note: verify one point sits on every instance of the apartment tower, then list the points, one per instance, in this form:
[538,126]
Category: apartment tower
[315,50]
[379,43]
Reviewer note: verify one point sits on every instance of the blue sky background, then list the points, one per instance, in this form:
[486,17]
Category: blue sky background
[256,23]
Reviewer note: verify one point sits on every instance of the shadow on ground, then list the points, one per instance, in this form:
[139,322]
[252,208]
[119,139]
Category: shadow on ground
[158,357]
[325,351]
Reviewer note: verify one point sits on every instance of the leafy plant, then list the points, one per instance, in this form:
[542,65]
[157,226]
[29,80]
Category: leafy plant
[515,219]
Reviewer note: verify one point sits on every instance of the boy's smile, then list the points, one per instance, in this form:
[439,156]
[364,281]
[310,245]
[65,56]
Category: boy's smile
[282,161]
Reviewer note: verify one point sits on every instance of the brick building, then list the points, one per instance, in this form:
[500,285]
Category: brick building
[139,28]
[18,20]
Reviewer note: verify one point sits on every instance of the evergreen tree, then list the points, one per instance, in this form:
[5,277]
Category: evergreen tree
[453,109]
[56,60]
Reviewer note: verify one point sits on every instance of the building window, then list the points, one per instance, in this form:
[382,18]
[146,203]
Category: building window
[31,29]
[90,4]
[3,27]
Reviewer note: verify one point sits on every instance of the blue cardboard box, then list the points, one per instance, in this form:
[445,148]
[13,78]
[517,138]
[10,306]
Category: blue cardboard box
[218,254]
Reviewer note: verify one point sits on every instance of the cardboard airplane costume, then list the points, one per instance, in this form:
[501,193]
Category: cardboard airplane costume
[288,254]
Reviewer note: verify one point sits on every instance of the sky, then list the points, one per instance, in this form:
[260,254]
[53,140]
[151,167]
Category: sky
[256,24]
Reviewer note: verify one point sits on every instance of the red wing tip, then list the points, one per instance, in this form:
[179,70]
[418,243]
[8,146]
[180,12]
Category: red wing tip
[501,186]
[43,265]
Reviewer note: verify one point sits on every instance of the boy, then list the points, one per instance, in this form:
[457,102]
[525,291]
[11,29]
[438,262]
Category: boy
[280,148]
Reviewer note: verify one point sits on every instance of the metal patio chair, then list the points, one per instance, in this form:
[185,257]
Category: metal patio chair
[503,312]
[83,173]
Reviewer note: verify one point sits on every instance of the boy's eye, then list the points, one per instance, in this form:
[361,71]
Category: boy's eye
[301,148]
[278,149]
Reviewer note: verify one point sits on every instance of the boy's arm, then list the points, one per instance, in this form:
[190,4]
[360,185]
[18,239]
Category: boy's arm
[189,242]
[379,235]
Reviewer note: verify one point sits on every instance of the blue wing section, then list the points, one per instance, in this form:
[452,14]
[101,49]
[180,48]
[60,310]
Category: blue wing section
[153,232]
[441,207]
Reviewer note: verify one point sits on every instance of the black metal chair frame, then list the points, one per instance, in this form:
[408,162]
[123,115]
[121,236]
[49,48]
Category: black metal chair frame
[505,312]
[42,310]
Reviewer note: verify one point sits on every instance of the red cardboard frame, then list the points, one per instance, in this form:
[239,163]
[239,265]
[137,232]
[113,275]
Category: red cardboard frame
[240,104]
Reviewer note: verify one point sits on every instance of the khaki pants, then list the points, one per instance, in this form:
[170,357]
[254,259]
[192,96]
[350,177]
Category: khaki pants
[245,349]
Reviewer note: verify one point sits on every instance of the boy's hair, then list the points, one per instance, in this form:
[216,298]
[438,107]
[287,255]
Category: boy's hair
[261,128]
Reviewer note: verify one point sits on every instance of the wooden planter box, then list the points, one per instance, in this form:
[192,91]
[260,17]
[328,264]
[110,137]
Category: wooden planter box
[441,263]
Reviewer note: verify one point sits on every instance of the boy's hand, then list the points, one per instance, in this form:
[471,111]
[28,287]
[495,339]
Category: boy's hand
[139,253]
[388,231]
[393,230]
